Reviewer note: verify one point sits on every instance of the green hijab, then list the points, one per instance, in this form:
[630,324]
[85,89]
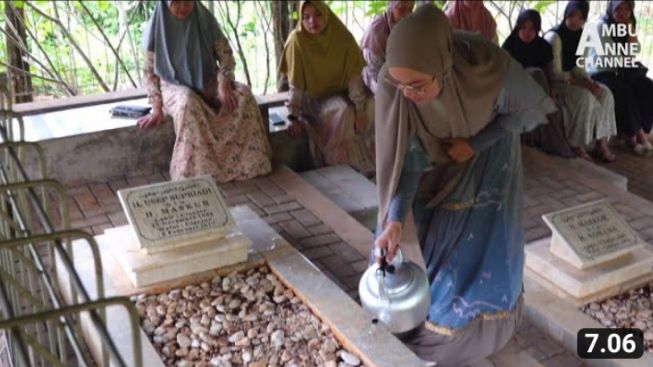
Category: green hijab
[321,65]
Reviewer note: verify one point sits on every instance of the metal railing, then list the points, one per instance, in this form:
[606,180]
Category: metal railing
[46,312]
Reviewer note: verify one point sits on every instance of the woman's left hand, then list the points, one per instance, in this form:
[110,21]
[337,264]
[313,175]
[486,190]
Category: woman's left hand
[360,122]
[460,150]
[227,96]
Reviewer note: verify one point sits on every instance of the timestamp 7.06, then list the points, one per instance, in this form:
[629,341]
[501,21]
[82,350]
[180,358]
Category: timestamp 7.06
[610,343]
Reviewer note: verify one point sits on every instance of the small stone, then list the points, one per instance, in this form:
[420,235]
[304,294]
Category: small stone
[215,329]
[329,346]
[234,303]
[246,356]
[205,346]
[350,358]
[243,342]
[183,341]
[185,364]
[236,337]
[648,336]
[277,338]
[148,327]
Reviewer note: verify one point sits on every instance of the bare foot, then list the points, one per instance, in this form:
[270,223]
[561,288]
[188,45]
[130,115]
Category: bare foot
[582,153]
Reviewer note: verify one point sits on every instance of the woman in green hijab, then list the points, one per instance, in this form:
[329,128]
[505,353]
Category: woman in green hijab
[449,114]
[323,64]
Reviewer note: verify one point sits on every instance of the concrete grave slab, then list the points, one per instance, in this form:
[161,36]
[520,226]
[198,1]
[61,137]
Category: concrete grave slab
[146,269]
[590,234]
[584,286]
[171,215]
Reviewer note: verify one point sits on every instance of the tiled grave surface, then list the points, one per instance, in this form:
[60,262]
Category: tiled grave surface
[637,169]
[95,207]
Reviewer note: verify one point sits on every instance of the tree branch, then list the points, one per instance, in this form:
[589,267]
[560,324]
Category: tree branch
[234,29]
[57,21]
[108,42]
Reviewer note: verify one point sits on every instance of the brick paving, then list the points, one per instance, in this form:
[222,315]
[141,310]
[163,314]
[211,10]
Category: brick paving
[638,170]
[547,187]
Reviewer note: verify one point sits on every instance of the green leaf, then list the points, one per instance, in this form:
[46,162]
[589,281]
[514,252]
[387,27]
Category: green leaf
[19,4]
[541,5]
[375,8]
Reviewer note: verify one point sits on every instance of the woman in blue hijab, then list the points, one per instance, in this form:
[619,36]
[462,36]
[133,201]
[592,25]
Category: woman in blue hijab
[218,126]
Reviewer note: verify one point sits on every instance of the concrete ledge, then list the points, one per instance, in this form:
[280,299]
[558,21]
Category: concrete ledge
[33,108]
[349,190]
[102,155]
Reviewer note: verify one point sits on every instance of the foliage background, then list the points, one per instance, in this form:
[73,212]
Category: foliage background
[68,39]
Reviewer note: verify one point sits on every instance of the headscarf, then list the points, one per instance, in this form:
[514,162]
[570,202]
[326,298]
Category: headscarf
[535,54]
[470,70]
[322,65]
[183,49]
[376,35]
[570,39]
[475,18]
[609,19]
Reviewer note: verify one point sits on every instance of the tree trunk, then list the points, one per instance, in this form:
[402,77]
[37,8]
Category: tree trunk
[283,24]
[20,78]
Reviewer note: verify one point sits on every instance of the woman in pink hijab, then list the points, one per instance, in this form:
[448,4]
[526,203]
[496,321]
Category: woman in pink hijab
[471,15]
[376,36]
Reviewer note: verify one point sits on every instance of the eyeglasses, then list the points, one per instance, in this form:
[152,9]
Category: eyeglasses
[405,87]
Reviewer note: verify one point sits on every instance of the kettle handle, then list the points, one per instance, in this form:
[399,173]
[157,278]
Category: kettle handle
[381,252]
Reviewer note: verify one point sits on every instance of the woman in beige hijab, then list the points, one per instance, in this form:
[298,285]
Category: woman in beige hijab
[449,114]
[323,64]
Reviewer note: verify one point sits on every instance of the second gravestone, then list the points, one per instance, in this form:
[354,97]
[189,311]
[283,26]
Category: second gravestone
[592,253]
[176,229]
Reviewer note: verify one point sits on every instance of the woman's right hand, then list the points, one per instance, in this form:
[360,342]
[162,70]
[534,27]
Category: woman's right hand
[152,119]
[389,241]
[596,90]
[295,128]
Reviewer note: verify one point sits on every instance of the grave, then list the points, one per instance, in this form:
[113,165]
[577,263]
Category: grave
[175,229]
[592,254]
[349,323]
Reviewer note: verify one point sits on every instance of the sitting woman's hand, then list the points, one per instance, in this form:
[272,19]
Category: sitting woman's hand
[460,150]
[227,96]
[389,240]
[295,128]
[360,123]
[596,90]
[152,119]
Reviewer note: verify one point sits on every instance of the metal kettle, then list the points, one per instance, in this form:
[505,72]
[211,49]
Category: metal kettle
[396,293]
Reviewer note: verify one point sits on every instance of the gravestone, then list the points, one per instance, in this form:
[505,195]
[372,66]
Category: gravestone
[593,253]
[175,229]
[591,234]
[172,215]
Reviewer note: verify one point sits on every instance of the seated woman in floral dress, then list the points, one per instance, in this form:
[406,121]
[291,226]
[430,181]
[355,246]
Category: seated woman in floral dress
[218,126]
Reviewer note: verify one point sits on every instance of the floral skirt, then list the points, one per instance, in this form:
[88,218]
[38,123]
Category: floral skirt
[229,146]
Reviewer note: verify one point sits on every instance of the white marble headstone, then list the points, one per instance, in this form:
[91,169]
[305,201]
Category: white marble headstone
[171,215]
[590,234]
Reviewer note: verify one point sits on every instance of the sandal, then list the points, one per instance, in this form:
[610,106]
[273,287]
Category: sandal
[641,150]
[647,144]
